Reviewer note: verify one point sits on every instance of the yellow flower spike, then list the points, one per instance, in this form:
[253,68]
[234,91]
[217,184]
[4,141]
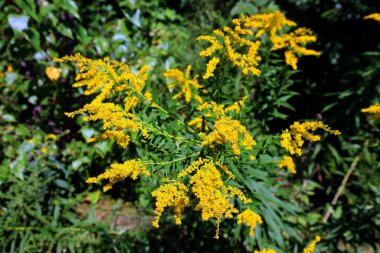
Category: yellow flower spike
[373,109]
[241,51]
[251,219]
[210,67]
[373,16]
[119,171]
[171,194]
[311,247]
[189,86]
[293,43]
[53,73]
[292,138]
[215,45]
[287,162]
[120,137]
[195,165]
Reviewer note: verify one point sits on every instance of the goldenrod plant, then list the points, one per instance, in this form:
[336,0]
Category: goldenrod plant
[198,153]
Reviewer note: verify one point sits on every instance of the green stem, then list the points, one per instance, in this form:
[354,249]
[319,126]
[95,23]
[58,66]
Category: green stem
[172,161]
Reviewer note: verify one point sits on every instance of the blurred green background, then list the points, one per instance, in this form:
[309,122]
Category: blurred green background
[45,204]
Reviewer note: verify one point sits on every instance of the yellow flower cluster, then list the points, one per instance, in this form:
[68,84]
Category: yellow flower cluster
[217,110]
[242,52]
[171,195]
[189,86]
[274,24]
[293,45]
[119,136]
[292,139]
[287,162]
[373,109]
[265,251]
[119,171]
[213,195]
[267,23]
[374,16]
[250,218]
[311,247]
[242,38]
[228,130]
[209,188]
[110,79]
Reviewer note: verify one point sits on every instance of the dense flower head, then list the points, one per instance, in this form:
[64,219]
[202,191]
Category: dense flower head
[250,218]
[374,16]
[311,247]
[232,43]
[373,109]
[108,79]
[214,197]
[228,130]
[287,162]
[292,139]
[119,171]
[239,43]
[293,43]
[270,23]
[188,86]
[174,195]
[207,185]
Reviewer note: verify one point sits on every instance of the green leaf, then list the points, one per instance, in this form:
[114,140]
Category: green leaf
[65,31]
